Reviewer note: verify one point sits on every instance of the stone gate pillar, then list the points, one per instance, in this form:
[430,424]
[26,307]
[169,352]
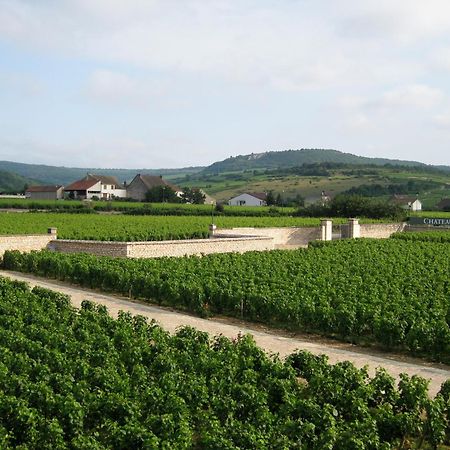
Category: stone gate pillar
[354,229]
[326,228]
[52,231]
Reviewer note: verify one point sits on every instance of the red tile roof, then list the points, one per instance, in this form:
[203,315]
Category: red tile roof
[81,185]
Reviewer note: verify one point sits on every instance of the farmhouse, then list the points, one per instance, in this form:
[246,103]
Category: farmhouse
[45,192]
[410,203]
[141,184]
[100,186]
[110,186]
[247,199]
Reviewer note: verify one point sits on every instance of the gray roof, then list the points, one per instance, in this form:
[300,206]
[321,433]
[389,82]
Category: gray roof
[152,181]
[104,179]
[43,188]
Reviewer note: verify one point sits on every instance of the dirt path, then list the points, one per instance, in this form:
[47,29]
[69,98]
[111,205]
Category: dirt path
[270,340]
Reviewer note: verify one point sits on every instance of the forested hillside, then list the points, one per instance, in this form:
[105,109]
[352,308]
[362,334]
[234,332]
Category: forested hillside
[14,183]
[292,158]
[65,175]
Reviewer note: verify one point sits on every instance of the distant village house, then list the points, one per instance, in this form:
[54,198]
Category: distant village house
[249,199]
[411,203]
[141,184]
[45,192]
[96,186]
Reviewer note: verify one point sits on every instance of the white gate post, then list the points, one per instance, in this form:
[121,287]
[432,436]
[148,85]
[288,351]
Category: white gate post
[354,228]
[326,228]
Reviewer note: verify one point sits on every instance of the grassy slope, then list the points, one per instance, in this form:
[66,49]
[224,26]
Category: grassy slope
[224,186]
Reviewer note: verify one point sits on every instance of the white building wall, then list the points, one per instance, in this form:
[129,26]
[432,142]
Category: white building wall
[110,191]
[246,200]
[416,205]
[94,191]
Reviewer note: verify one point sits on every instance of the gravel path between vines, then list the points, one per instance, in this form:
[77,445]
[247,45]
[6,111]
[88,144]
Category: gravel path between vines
[272,341]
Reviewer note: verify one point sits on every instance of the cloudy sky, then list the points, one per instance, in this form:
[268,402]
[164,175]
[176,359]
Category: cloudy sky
[171,83]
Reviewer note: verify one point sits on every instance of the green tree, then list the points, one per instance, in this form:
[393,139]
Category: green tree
[193,195]
[270,199]
[161,194]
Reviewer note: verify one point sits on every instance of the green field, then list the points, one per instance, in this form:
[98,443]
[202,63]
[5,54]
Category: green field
[138,228]
[83,380]
[437,214]
[422,236]
[226,185]
[392,293]
[144,208]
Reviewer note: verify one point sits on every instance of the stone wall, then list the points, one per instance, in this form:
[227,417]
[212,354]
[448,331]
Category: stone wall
[224,241]
[24,243]
[380,230]
[295,237]
[283,238]
[157,249]
[198,246]
[99,248]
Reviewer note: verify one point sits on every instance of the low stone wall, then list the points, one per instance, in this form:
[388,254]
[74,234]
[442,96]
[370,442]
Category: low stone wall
[283,238]
[157,249]
[24,243]
[238,240]
[295,237]
[98,248]
[380,230]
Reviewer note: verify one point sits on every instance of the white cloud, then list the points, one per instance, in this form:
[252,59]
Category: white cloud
[442,121]
[395,20]
[22,84]
[117,88]
[415,95]
[224,59]
[284,45]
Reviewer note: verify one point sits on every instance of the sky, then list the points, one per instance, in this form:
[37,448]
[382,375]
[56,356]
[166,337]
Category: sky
[176,83]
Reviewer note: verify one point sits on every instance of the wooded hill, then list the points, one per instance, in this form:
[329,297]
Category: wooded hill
[64,175]
[268,160]
[12,183]
[295,158]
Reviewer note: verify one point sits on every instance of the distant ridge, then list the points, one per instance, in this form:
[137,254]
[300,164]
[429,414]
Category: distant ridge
[46,174]
[296,158]
[64,175]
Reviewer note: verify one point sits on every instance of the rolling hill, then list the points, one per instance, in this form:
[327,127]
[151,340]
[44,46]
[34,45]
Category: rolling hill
[13,183]
[294,158]
[65,175]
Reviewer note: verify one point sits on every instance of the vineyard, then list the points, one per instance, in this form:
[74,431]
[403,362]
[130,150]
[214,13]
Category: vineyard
[143,208]
[430,236]
[392,293]
[83,380]
[135,228]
